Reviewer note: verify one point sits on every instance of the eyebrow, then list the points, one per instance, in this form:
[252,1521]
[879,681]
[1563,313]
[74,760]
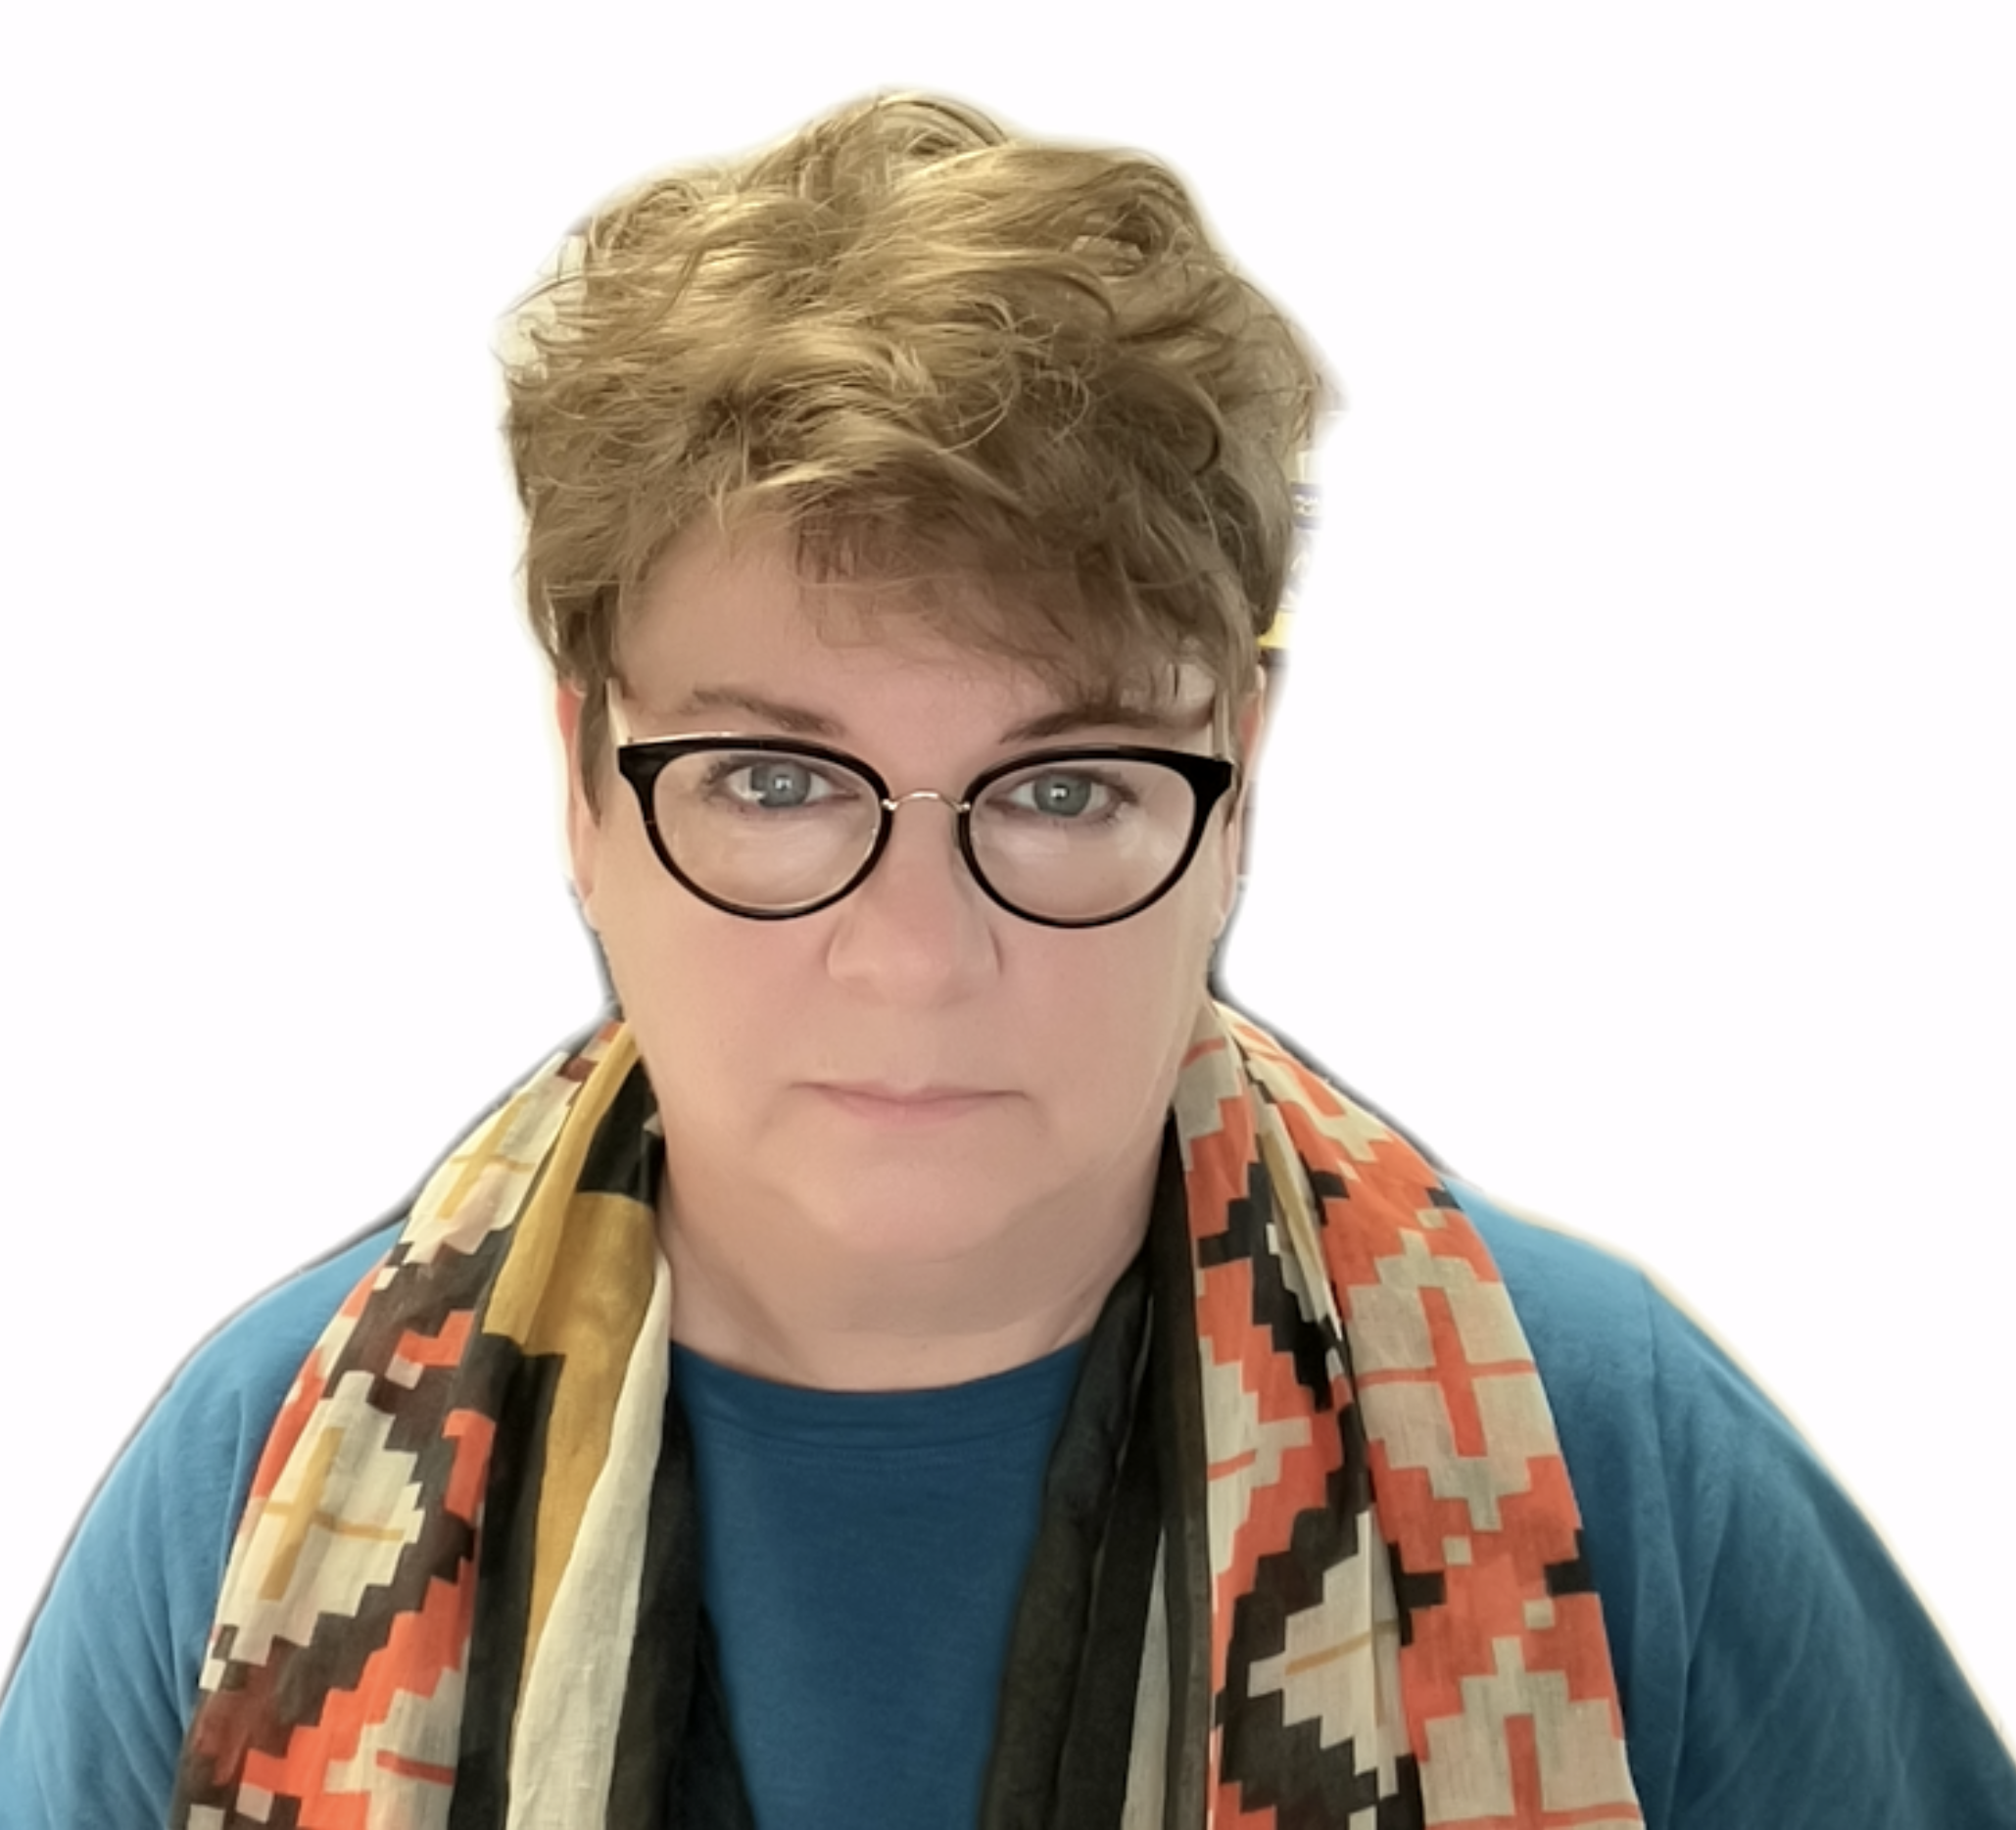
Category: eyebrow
[796,719]
[1102,710]
[1098,710]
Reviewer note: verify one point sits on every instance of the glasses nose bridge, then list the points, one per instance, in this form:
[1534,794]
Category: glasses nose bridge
[961,859]
[893,804]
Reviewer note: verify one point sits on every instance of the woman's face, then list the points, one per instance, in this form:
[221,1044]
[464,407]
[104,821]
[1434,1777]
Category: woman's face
[912,1074]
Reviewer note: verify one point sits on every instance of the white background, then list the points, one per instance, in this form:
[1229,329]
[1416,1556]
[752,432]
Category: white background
[1638,822]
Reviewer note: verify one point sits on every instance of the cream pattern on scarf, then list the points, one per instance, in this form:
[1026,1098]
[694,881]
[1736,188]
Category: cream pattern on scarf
[1401,1628]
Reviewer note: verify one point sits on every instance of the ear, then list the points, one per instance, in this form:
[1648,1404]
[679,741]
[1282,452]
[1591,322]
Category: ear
[584,827]
[1249,728]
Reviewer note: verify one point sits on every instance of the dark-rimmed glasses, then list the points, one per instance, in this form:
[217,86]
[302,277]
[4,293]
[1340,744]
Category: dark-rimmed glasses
[772,828]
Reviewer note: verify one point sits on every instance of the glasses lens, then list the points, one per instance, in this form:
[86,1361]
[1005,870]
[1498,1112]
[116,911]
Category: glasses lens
[769,829]
[1075,840]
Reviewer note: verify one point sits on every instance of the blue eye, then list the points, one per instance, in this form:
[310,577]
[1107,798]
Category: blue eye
[781,783]
[1062,795]
[769,784]
[1067,795]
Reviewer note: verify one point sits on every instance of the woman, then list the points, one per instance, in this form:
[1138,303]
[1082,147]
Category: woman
[1077,1411]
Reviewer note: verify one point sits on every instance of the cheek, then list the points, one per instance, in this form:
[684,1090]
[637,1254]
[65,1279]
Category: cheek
[1118,1005]
[700,987]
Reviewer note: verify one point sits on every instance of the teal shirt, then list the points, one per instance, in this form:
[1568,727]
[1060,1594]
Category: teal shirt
[861,1557]
[1776,1671]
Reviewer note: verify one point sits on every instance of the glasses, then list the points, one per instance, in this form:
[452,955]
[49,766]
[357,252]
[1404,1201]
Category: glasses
[771,828]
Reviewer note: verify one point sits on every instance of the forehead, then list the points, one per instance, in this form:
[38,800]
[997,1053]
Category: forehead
[719,616]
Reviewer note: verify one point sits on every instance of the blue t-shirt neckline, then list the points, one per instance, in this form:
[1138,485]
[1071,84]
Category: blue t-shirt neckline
[923,1417]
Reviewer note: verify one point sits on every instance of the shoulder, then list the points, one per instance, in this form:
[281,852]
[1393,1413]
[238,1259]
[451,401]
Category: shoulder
[1632,1379]
[243,1368]
[93,1716]
[191,1461]
[1776,1668]
[1640,1394]
[1584,1308]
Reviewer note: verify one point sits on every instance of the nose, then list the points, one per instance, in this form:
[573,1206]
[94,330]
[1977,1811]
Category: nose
[918,931]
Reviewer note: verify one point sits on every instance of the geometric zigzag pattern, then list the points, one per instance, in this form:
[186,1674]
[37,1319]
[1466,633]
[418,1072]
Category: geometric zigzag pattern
[1403,1630]
[348,1680]
[1396,1624]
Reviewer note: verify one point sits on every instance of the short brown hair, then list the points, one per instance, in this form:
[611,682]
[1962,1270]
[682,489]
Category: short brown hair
[918,346]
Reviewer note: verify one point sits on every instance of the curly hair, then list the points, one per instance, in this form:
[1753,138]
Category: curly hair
[921,348]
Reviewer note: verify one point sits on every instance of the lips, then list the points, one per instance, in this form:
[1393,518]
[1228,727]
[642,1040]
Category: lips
[877,1100]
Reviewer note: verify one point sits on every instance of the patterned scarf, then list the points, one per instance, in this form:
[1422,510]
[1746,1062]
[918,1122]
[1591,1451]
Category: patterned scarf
[1309,1554]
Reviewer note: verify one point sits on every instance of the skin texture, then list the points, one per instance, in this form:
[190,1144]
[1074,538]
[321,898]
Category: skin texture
[821,1232]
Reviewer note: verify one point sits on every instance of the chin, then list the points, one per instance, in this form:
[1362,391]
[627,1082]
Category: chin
[911,1217]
